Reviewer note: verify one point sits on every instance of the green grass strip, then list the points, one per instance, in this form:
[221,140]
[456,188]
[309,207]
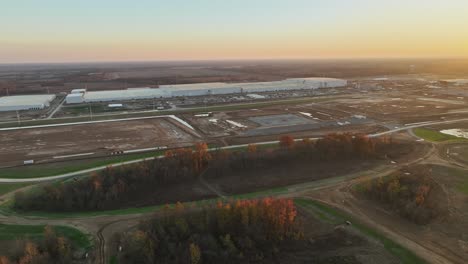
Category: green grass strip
[53,169]
[436,136]
[9,187]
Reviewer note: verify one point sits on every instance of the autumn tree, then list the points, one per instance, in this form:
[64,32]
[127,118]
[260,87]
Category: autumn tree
[201,157]
[4,260]
[286,142]
[408,192]
[31,253]
[421,193]
[252,148]
[117,187]
[234,232]
[195,253]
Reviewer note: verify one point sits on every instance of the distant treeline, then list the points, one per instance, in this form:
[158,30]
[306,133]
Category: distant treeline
[116,187]
[246,231]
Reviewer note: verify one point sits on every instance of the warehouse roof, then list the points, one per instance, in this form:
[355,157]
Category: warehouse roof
[247,85]
[74,95]
[207,88]
[26,99]
[134,93]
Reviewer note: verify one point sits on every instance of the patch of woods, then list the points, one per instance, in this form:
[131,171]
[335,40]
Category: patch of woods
[117,187]
[51,249]
[300,161]
[244,231]
[411,192]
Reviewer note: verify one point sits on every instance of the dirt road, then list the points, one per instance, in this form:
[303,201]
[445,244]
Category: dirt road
[332,191]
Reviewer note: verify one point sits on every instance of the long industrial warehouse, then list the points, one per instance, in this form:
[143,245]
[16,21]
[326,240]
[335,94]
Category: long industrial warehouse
[25,102]
[201,89]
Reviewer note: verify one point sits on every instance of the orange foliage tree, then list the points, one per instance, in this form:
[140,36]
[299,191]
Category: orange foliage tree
[252,148]
[4,260]
[286,142]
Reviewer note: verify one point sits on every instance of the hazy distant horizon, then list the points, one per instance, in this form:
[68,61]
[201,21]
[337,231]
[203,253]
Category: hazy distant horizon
[242,60]
[54,31]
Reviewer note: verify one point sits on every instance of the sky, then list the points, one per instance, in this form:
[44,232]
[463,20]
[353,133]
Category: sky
[152,30]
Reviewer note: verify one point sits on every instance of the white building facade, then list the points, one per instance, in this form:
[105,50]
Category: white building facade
[203,89]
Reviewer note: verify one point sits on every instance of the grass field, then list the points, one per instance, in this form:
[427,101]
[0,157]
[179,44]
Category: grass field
[33,232]
[458,177]
[95,108]
[436,136]
[333,216]
[462,184]
[58,168]
[52,169]
[9,187]
[463,187]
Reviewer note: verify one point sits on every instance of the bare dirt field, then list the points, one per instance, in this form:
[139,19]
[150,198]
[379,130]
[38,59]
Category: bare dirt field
[272,121]
[26,144]
[330,243]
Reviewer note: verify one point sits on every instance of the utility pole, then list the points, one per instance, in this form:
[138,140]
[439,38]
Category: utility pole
[18,117]
[90,112]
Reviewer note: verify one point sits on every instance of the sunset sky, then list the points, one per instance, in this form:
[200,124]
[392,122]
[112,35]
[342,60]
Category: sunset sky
[118,30]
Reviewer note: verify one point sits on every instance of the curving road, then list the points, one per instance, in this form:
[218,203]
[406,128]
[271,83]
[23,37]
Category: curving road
[103,226]
[78,173]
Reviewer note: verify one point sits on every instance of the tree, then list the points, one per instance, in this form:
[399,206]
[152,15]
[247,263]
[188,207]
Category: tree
[4,260]
[393,189]
[421,194]
[201,156]
[64,249]
[286,142]
[252,148]
[179,207]
[50,241]
[195,253]
[31,252]
[306,142]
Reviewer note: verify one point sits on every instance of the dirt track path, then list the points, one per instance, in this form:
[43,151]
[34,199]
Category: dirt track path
[103,227]
[341,197]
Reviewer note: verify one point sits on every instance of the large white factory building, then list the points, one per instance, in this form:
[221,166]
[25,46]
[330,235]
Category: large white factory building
[201,89]
[25,102]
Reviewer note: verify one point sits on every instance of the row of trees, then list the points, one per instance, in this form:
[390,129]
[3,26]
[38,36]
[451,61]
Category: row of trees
[243,231]
[51,249]
[339,146]
[115,187]
[410,192]
[135,184]
[293,153]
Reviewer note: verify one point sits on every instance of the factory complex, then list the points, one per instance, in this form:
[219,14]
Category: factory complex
[25,102]
[201,89]
[79,96]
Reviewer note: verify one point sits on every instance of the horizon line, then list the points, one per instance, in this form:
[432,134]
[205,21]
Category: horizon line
[240,60]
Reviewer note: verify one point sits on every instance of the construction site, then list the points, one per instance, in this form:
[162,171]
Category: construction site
[422,118]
